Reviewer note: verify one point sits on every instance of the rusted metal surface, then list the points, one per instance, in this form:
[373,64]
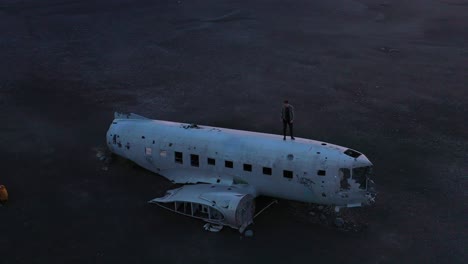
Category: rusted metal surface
[3,194]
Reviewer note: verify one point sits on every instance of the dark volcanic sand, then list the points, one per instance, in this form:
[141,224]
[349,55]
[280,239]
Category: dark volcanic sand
[388,78]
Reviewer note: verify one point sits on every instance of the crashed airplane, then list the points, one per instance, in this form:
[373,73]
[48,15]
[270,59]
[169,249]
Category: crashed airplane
[224,170]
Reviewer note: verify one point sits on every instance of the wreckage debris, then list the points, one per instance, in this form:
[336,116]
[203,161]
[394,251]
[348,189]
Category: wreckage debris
[222,198]
[339,222]
[323,217]
[388,50]
[248,233]
[327,216]
[105,156]
[212,227]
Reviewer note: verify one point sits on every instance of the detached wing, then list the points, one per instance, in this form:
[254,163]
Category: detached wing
[218,204]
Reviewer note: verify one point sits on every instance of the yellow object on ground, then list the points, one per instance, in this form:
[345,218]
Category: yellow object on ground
[3,194]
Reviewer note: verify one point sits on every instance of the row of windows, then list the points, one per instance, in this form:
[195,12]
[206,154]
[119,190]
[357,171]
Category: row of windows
[195,162]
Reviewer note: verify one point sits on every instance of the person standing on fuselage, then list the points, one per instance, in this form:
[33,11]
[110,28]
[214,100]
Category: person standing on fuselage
[287,115]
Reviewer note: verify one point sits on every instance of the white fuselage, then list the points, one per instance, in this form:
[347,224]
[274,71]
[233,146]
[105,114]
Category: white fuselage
[302,170]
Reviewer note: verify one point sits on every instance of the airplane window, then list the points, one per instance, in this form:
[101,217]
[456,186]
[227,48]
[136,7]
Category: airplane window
[228,164]
[194,160]
[247,167]
[287,174]
[321,173]
[211,161]
[361,174]
[352,153]
[345,174]
[178,158]
[266,171]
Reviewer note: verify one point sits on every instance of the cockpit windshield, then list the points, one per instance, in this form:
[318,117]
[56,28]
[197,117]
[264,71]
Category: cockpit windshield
[361,174]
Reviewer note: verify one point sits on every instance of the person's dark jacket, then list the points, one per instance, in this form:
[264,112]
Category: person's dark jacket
[284,114]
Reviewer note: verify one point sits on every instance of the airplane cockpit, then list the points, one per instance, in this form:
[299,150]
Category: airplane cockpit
[362,175]
[359,175]
[355,179]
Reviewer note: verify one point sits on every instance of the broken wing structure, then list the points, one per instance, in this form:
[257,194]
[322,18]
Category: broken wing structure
[224,170]
[215,204]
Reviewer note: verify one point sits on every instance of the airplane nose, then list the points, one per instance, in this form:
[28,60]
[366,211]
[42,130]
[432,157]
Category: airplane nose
[371,192]
[362,161]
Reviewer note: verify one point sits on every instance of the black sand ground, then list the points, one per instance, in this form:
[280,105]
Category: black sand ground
[388,78]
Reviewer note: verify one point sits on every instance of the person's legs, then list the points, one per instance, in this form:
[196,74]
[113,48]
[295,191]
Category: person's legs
[284,129]
[291,130]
